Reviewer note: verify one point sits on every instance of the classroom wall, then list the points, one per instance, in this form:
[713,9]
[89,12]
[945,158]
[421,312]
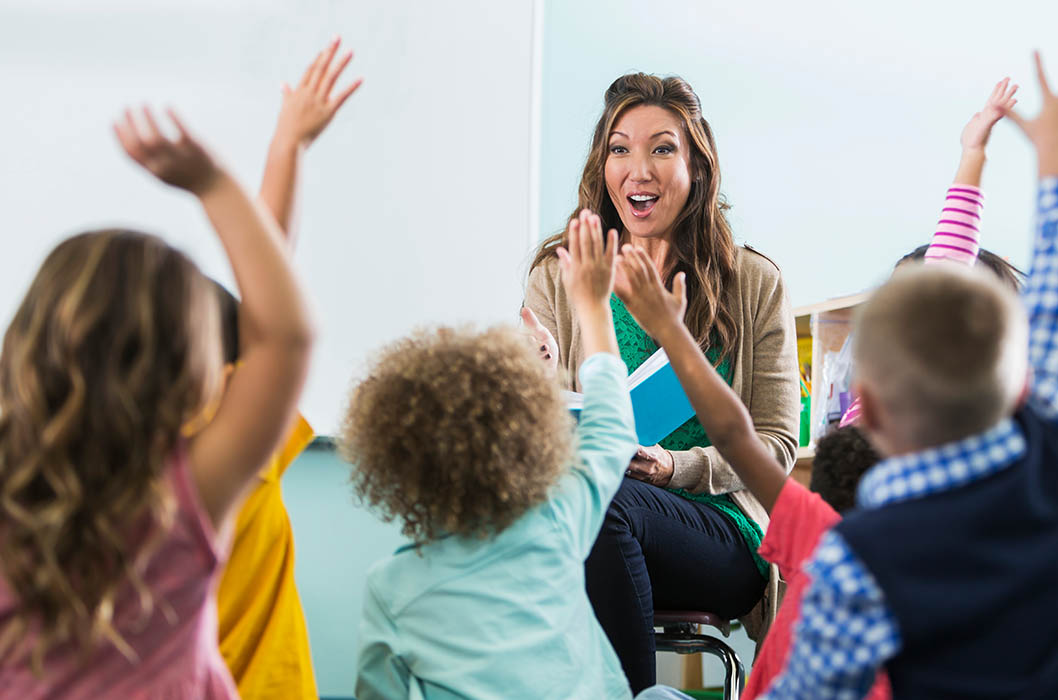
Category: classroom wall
[837,123]
[416,200]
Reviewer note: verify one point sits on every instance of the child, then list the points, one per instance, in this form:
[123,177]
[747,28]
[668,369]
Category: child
[261,625]
[944,572]
[113,524]
[465,439]
[958,231]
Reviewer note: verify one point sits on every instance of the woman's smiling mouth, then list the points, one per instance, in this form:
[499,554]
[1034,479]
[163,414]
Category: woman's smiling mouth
[642,203]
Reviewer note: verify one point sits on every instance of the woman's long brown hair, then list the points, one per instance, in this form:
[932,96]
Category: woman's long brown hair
[701,241]
[114,346]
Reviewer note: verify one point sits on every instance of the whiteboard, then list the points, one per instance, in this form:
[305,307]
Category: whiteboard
[417,203]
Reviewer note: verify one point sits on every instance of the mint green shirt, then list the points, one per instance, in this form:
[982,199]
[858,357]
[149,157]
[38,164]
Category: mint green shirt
[636,348]
[508,617]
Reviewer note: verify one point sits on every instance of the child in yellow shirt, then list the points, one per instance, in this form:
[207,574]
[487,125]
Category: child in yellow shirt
[263,636]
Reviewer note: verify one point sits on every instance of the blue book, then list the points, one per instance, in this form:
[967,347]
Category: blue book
[658,401]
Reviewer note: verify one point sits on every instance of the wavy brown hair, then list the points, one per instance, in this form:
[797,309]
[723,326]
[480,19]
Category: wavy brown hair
[456,432]
[701,242]
[114,346]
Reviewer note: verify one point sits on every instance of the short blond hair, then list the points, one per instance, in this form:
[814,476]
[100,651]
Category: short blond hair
[945,349]
[456,432]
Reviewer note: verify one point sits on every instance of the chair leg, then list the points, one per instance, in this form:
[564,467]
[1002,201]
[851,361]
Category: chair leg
[734,672]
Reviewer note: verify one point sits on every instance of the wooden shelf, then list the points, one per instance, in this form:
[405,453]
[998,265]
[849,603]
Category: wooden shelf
[828,324]
[832,304]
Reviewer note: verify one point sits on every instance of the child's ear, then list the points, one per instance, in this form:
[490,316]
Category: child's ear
[1026,389]
[870,417]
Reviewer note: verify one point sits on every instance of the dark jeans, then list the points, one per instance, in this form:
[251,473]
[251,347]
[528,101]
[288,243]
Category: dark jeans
[658,550]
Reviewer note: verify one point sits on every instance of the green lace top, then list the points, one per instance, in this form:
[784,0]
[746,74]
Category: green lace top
[636,347]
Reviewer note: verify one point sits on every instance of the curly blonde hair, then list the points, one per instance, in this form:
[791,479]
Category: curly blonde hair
[114,347]
[456,432]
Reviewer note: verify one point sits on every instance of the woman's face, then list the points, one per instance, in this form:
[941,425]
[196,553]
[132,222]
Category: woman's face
[648,170]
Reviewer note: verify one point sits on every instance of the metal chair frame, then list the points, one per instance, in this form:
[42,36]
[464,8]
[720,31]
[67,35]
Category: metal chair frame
[680,634]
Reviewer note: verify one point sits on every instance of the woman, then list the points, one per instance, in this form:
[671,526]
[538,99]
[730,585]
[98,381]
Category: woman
[681,533]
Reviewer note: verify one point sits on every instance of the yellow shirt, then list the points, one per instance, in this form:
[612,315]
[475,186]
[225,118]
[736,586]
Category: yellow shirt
[263,637]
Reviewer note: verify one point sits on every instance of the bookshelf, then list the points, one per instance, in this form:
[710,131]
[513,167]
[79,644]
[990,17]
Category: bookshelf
[821,328]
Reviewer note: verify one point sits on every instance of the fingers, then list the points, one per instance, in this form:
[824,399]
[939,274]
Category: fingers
[323,64]
[679,288]
[125,130]
[611,248]
[595,236]
[327,84]
[564,259]
[306,77]
[573,241]
[154,134]
[185,135]
[338,101]
[1041,75]
[584,235]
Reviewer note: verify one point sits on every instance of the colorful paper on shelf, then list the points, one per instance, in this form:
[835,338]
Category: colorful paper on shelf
[658,401]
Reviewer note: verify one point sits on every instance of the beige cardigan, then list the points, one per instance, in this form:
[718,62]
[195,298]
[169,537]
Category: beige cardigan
[764,365]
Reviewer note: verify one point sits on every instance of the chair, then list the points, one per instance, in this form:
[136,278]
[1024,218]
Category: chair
[680,634]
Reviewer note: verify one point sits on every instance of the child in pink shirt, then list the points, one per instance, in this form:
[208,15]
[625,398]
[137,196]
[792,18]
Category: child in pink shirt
[799,517]
[110,543]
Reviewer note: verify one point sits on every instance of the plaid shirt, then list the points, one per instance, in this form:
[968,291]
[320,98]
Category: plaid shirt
[847,631]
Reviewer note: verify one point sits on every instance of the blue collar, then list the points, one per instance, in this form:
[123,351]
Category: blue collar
[942,468]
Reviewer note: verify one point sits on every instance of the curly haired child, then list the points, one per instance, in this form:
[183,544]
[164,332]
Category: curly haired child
[114,522]
[464,439]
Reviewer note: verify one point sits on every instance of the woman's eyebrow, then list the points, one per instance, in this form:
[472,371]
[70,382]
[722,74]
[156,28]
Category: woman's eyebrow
[660,133]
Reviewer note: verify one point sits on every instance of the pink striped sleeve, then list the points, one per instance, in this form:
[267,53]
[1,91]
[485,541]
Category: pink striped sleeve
[852,415]
[958,231]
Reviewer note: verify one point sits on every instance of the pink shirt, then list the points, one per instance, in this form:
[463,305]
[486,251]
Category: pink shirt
[178,656]
[798,521]
[955,240]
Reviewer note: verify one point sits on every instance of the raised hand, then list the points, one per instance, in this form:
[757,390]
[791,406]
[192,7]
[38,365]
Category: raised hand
[654,308]
[976,132]
[182,163]
[1042,130]
[541,338]
[588,263]
[587,266]
[308,108]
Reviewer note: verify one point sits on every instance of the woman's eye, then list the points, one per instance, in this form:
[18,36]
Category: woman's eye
[664,150]
[617,150]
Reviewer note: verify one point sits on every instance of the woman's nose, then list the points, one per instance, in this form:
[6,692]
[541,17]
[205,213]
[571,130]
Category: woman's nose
[640,169]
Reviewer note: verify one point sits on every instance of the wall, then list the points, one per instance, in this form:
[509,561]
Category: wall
[837,123]
[416,201]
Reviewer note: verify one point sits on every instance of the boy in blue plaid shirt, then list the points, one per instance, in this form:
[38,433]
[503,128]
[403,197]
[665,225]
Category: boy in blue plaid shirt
[948,573]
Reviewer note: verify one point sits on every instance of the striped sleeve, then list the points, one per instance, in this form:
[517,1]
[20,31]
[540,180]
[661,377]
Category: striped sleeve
[956,238]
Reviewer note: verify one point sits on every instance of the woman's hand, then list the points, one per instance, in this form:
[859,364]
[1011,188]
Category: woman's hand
[976,132]
[183,163]
[309,108]
[653,465]
[541,338]
[1043,130]
[654,308]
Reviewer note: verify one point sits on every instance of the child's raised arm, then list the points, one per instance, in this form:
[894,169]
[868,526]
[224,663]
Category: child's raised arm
[1041,291]
[719,409]
[260,399]
[588,275]
[307,110]
[958,231]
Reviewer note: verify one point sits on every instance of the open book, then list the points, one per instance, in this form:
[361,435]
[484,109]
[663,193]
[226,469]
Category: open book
[658,401]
